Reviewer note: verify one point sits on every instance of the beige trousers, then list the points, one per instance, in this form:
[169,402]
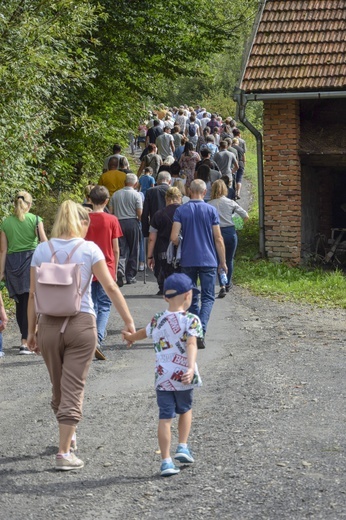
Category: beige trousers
[68,357]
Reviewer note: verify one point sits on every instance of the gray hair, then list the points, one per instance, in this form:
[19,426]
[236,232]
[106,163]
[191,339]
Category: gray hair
[198,186]
[131,179]
[164,177]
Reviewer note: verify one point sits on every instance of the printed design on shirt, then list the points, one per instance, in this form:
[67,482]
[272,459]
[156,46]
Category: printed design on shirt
[170,332]
[180,347]
[180,360]
[174,323]
[160,370]
[155,319]
[177,375]
[195,324]
[166,385]
[162,344]
[194,379]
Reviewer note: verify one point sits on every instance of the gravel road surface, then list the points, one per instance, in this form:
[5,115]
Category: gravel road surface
[268,431]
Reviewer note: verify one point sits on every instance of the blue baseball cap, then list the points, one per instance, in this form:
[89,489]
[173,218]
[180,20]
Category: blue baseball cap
[178,283]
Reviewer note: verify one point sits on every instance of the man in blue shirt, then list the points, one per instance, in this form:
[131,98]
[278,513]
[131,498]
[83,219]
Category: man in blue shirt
[202,246]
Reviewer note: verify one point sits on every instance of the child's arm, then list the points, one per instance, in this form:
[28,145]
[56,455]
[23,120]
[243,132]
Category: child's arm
[132,337]
[191,350]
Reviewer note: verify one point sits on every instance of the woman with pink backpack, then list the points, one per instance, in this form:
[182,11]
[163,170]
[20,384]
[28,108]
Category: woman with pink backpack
[68,342]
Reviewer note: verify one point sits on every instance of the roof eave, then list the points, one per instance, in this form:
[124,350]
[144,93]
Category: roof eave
[250,42]
[267,96]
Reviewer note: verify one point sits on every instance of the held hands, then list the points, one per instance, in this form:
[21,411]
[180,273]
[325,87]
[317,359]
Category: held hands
[188,376]
[127,333]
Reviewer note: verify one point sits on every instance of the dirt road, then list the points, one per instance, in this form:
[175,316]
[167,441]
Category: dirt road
[268,433]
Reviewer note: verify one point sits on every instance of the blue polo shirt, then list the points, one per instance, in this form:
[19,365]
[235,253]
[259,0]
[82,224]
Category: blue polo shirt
[197,220]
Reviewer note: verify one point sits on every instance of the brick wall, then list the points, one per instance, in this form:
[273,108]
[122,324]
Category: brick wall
[282,181]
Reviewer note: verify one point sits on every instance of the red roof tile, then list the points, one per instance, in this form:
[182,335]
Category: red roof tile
[299,45]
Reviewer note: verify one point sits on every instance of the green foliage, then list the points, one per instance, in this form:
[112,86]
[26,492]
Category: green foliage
[43,60]
[282,282]
[78,75]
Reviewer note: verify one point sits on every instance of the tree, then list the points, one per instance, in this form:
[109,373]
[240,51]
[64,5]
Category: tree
[77,75]
[43,59]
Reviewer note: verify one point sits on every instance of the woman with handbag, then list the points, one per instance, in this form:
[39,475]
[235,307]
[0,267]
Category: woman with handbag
[68,345]
[20,234]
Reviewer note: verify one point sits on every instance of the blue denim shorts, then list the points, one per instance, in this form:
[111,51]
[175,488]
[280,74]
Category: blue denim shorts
[172,403]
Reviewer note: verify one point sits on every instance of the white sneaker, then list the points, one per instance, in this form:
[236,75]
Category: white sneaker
[24,350]
[68,463]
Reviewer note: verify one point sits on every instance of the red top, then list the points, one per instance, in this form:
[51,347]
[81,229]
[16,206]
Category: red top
[102,230]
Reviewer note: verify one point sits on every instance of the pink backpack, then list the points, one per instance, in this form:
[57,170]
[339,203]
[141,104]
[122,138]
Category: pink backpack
[58,289]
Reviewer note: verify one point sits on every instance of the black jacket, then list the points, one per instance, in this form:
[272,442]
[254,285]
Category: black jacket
[154,200]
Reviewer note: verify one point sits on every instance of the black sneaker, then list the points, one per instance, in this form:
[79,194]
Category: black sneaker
[200,343]
[120,280]
[222,292]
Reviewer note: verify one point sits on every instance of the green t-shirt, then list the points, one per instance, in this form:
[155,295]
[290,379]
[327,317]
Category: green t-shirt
[20,235]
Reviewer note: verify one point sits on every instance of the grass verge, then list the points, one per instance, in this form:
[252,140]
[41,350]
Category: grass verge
[279,280]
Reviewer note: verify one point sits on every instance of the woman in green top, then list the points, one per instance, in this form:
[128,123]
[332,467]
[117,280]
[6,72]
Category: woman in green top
[19,238]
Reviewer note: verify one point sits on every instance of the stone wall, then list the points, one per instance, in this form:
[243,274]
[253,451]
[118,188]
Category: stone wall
[282,181]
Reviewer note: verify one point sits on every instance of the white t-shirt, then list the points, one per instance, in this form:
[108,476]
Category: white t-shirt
[169,331]
[86,255]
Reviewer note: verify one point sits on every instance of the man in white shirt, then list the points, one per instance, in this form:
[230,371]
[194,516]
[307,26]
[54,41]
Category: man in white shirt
[204,120]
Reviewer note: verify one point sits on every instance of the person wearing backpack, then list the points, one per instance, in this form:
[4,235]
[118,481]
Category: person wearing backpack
[192,131]
[68,342]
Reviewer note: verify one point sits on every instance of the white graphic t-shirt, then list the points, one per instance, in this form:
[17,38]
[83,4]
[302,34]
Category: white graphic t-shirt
[170,331]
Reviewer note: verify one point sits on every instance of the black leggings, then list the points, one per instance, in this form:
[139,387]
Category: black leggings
[22,313]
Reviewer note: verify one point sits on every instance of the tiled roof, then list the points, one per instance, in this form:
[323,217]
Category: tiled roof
[299,45]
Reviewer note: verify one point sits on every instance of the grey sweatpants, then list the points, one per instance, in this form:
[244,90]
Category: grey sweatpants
[68,357]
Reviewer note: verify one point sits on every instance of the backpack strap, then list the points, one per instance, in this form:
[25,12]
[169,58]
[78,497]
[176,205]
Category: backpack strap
[69,256]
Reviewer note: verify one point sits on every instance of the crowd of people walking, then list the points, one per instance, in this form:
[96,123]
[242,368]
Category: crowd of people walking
[173,216]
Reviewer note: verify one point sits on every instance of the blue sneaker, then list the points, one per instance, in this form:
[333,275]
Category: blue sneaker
[183,455]
[168,469]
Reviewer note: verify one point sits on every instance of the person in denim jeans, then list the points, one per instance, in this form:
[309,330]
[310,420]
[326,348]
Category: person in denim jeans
[202,244]
[104,230]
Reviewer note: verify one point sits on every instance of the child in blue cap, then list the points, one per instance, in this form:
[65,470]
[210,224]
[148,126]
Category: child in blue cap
[174,332]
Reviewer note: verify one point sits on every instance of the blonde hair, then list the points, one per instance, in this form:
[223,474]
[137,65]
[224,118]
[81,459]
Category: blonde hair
[68,220]
[169,160]
[88,189]
[173,193]
[219,189]
[180,185]
[22,204]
